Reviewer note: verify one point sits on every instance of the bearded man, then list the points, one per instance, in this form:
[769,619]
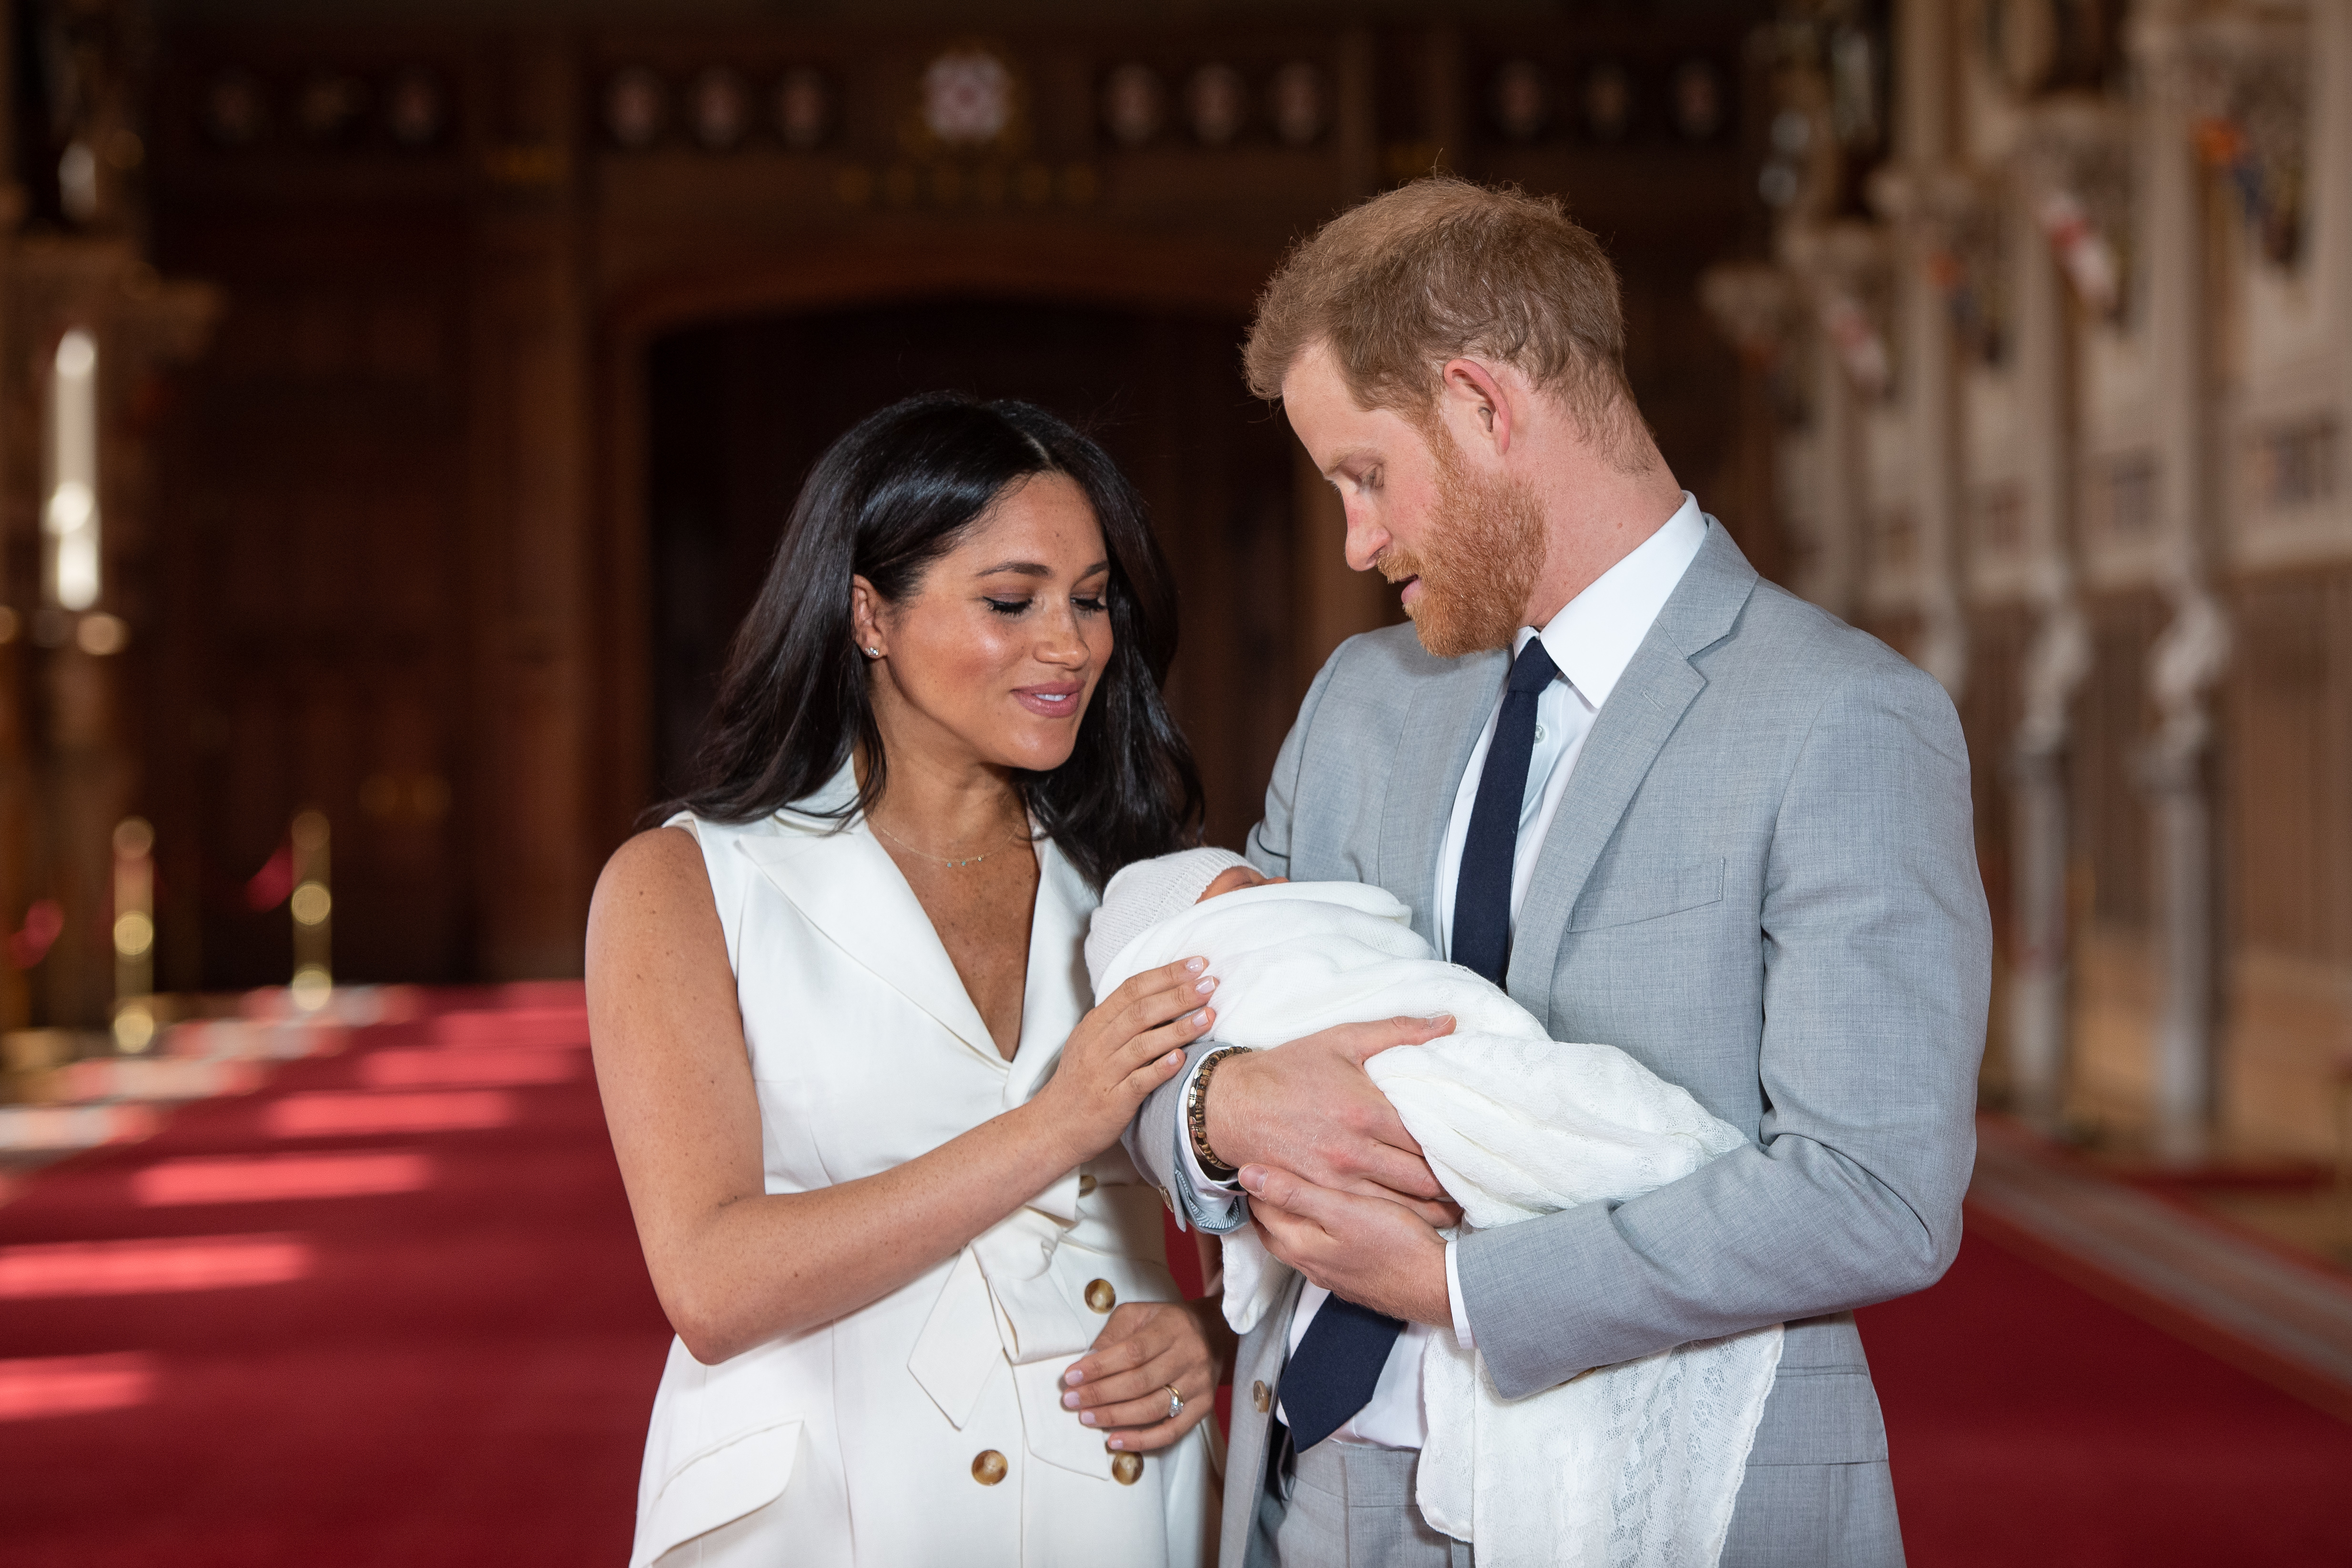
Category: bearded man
[1668,807]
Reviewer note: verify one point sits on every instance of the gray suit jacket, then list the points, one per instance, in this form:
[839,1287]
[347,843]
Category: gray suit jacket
[1762,885]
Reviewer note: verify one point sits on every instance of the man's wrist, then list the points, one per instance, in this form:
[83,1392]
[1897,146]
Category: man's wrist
[1220,1130]
[1196,1115]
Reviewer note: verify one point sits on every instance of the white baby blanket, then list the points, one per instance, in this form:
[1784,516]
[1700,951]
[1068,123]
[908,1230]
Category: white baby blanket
[1633,1466]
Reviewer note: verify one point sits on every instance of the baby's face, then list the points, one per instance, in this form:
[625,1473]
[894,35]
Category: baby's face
[1233,879]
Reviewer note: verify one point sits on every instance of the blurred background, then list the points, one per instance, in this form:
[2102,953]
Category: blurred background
[399,400]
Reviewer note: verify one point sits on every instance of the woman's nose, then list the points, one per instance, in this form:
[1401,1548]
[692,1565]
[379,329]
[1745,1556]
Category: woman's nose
[1059,639]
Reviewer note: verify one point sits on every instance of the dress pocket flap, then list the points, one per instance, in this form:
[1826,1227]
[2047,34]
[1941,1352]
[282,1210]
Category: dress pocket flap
[1648,898]
[722,1483]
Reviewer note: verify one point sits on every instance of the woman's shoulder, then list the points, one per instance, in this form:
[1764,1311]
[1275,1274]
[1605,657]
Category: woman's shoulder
[664,859]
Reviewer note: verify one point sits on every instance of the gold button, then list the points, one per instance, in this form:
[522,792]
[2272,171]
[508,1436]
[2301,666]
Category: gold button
[1262,1397]
[1127,1468]
[1087,1185]
[1100,1296]
[988,1468]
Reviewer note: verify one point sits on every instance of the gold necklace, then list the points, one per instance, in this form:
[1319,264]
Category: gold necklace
[943,859]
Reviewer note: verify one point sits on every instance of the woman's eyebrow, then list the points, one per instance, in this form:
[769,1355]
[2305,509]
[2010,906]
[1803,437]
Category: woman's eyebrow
[1037,569]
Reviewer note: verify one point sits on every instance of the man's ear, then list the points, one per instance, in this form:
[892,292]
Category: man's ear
[1475,398]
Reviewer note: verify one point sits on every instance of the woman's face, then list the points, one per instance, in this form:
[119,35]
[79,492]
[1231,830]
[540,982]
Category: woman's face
[995,653]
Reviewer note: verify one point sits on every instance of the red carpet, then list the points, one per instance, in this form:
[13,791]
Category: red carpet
[2031,1423]
[390,1311]
[460,1372]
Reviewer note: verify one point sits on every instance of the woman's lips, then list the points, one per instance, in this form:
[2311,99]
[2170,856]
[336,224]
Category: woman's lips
[1059,700]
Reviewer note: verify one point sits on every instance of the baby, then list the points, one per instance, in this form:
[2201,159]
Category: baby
[1635,1464]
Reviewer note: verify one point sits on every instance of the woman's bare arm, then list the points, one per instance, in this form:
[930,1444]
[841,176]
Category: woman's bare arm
[735,1266]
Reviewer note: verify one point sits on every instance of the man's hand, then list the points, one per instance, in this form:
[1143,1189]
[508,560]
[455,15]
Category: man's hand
[1374,1253]
[1311,1108]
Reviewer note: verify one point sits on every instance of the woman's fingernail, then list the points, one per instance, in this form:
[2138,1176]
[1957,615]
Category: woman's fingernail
[1195,965]
[1085,1418]
[1069,1401]
[1201,1019]
[1205,986]
[1118,1442]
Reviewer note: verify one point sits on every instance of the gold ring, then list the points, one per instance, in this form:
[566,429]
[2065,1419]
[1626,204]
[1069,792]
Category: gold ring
[1175,1402]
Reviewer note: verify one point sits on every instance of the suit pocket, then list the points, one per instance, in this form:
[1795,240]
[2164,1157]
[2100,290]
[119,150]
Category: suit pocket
[1649,898]
[1819,1418]
[721,1484]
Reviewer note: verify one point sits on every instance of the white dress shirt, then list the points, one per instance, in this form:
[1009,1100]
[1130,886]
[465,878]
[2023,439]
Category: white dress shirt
[1591,639]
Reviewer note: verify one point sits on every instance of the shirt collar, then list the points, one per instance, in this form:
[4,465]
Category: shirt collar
[1594,635]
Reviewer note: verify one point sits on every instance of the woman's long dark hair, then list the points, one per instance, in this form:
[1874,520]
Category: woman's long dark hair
[885,501]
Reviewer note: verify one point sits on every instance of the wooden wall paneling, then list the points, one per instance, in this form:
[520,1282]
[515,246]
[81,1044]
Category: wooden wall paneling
[2290,752]
[536,851]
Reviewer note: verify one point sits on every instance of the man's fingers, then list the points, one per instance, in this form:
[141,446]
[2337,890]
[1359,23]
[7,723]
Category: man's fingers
[1371,1040]
[1392,1170]
[1437,1213]
[1275,1188]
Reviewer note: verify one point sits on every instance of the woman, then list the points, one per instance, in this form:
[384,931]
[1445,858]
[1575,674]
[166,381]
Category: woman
[869,1129]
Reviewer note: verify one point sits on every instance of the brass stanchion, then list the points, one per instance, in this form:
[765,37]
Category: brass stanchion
[134,935]
[313,908]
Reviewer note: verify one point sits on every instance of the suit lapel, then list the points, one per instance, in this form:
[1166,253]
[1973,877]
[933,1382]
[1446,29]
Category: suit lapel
[848,888]
[1441,727]
[1632,727]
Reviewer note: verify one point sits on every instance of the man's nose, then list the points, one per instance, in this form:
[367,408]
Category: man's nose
[1366,539]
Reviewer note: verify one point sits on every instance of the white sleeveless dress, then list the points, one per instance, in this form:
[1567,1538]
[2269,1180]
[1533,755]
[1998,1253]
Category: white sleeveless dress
[866,1440]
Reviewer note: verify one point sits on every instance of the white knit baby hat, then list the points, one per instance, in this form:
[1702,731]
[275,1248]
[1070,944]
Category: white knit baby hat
[1146,894]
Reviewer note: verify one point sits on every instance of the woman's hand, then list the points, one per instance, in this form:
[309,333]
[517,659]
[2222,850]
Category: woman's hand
[1148,1347]
[1121,1051]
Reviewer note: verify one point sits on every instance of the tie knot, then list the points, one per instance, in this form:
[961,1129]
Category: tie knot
[1532,671]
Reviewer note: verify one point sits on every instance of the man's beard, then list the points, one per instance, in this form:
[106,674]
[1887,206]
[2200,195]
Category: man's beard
[1482,552]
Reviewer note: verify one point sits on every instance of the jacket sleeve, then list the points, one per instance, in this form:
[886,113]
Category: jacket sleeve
[1876,947]
[1153,1139]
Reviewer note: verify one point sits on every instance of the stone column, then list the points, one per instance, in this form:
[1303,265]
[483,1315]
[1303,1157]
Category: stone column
[2191,652]
[1925,45]
[2055,664]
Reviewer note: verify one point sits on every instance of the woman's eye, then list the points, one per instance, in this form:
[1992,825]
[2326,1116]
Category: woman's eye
[1093,605]
[1008,606]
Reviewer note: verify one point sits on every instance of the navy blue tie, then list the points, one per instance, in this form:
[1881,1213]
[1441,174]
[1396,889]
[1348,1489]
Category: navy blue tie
[1338,1363]
[1482,893]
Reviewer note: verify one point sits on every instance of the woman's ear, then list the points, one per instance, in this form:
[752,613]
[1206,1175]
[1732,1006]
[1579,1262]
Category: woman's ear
[865,617]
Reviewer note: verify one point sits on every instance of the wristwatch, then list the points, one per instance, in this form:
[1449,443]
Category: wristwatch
[1196,1114]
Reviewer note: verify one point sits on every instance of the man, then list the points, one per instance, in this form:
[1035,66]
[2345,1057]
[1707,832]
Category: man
[1670,808]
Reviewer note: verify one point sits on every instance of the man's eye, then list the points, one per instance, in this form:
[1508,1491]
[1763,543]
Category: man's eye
[1008,606]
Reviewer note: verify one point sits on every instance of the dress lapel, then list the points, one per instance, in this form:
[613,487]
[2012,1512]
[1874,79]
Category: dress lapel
[848,887]
[1441,726]
[1632,727]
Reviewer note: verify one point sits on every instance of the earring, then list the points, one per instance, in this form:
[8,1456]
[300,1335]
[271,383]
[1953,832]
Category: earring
[873,652]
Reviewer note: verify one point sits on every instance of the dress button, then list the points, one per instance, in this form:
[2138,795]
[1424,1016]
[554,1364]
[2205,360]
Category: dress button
[1100,1296]
[1261,1398]
[1540,732]
[1086,1187]
[1127,1468]
[988,1467]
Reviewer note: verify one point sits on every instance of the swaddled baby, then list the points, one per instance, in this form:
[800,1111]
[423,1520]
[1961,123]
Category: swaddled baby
[1633,1464]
